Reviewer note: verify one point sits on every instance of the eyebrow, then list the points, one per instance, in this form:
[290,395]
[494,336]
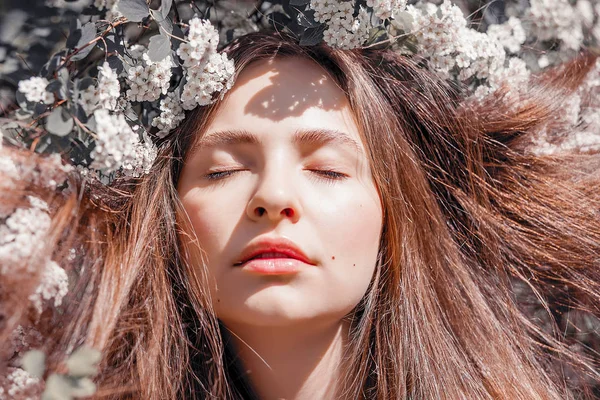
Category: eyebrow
[318,136]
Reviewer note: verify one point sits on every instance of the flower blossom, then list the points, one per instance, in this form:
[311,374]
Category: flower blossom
[18,383]
[384,9]
[170,116]
[34,90]
[54,284]
[116,144]
[555,19]
[22,235]
[207,71]
[105,94]
[453,49]
[511,34]
[148,79]
[343,31]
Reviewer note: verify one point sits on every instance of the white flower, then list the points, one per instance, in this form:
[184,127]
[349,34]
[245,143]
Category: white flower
[54,284]
[22,385]
[116,143]
[205,80]
[144,155]
[171,115]
[202,39]
[149,79]
[105,94]
[22,235]
[108,90]
[511,34]
[384,9]
[555,19]
[343,30]
[34,90]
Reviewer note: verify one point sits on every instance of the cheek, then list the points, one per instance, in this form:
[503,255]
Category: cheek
[351,227]
[212,220]
[350,233]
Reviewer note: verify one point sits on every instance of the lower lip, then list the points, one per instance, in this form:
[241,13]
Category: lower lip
[274,266]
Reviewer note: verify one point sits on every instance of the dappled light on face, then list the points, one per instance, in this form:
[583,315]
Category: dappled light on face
[293,88]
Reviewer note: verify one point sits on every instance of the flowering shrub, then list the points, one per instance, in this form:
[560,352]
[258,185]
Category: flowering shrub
[121,82]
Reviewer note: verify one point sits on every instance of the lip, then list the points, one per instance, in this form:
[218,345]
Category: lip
[290,259]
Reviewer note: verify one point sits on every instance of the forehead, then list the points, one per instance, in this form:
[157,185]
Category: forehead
[284,95]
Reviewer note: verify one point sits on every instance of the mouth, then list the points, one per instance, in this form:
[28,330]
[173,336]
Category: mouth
[273,257]
[270,255]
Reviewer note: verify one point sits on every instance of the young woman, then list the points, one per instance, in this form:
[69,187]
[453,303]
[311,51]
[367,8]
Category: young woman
[342,225]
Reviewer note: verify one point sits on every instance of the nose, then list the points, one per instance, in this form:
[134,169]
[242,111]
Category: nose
[275,198]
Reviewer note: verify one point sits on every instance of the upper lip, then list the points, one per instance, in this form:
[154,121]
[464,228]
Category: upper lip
[272,245]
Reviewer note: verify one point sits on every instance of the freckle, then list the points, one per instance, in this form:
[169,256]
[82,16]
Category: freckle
[218,300]
[333,257]
[354,265]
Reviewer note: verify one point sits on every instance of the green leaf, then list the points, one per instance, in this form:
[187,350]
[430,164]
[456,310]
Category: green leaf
[165,7]
[34,362]
[133,10]
[159,47]
[165,23]
[85,83]
[88,33]
[307,19]
[312,36]
[54,86]
[59,122]
[74,34]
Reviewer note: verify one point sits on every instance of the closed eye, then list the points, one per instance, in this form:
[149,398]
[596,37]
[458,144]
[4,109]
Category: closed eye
[329,174]
[221,174]
[325,174]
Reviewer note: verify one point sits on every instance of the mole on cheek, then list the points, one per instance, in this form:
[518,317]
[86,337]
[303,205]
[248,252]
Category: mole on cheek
[333,257]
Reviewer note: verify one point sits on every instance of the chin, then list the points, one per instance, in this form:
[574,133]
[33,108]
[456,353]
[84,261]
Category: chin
[269,311]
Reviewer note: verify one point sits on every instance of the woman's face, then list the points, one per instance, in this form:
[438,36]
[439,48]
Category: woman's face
[282,166]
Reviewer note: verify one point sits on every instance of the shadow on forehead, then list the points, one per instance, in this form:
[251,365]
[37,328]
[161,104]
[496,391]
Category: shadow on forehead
[295,85]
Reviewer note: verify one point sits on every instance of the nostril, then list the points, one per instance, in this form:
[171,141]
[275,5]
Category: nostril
[259,211]
[289,212]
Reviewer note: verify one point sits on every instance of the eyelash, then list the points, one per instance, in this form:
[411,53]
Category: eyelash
[326,174]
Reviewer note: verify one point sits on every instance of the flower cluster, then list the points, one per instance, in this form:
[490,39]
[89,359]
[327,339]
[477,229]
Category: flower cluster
[555,19]
[444,37]
[207,71]
[510,34]
[105,94]
[343,31]
[171,115]
[20,384]
[54,285]
[147,79]
[384,9]
[35,91]
[117,145]
[22,236]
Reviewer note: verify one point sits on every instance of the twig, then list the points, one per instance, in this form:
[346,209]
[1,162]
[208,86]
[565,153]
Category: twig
[112,26]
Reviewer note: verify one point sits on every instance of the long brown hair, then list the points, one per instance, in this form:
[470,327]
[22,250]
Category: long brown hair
[475,224]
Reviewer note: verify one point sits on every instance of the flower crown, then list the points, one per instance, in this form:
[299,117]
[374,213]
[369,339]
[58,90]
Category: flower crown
[128,70]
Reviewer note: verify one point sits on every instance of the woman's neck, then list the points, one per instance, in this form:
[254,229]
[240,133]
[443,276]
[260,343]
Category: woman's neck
[294,362]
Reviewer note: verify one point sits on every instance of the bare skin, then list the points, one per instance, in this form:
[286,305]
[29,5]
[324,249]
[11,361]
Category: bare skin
[289,331]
